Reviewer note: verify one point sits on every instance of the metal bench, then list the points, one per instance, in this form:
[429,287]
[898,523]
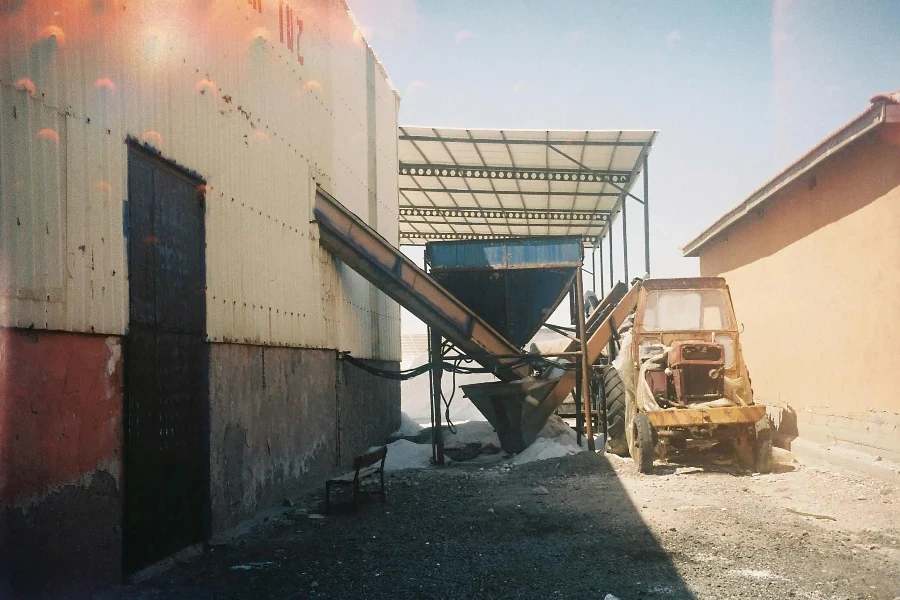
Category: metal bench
[365,465]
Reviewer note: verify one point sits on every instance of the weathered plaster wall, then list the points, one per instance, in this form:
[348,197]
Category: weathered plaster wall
[279,420]
[60,460]
[815,281]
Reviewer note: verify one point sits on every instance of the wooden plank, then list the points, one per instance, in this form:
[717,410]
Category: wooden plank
[350,476]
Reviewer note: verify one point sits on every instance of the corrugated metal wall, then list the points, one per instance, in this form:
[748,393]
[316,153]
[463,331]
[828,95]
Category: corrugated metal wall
[264,99]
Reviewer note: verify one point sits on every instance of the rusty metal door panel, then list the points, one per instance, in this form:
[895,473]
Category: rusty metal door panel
[166,412]
[181,280]
[142,278]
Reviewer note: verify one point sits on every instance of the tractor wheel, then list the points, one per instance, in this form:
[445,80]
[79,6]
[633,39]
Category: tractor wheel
[614,397]
[642,447]
[762,452]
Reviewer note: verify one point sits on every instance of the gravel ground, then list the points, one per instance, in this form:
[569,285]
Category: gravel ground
[581,526]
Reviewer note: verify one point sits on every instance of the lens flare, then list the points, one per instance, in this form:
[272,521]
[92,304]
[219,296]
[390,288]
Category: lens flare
[206,85]
[312,86]
[49,134]
[153,138]
[260,34]
[102,186]
[53,31]
[26,85]
[105,83]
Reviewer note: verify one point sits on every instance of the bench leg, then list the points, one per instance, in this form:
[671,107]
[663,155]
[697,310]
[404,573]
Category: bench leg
[355,496]
[382,484]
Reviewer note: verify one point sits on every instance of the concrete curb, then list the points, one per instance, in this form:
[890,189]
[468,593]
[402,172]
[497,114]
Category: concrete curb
[812,453]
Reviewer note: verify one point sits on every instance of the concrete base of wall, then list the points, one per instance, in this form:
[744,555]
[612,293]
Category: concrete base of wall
[368,409]
[283,419]
[60,463]
[873,433]
[813,453]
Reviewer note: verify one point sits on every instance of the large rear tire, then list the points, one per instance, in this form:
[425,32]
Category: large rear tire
[642,446]
[614,397]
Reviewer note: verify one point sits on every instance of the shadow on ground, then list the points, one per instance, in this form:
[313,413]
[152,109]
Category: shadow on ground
[462,531]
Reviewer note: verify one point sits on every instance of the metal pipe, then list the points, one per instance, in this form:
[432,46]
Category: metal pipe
[437,433]
[625,236]
[646,218]
[526,356]
[612,277]
[594,270]
[585,364]
[602,275]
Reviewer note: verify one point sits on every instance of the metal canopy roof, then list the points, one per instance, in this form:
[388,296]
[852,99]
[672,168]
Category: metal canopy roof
[460,184]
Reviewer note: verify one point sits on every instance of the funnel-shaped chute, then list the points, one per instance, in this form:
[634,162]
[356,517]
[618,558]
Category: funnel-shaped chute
[513,284]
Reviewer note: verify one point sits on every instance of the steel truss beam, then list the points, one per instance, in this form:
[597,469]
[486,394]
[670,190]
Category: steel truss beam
[587,240]
[482,172]
[510,192]
[539,214]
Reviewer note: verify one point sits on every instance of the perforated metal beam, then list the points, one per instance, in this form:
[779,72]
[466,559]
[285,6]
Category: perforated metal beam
[493,172]
[533,214]
[450,237]
[542,193]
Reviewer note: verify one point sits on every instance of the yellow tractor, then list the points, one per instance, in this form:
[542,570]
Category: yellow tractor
[680,380]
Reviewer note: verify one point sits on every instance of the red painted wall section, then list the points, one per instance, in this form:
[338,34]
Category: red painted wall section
[60,410]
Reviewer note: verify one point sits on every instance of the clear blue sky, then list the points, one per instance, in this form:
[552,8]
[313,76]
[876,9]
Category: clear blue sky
[738,89]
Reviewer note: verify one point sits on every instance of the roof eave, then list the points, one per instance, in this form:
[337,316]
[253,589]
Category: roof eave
[859,127]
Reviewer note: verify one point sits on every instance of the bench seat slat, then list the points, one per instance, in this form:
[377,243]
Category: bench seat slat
[350,476]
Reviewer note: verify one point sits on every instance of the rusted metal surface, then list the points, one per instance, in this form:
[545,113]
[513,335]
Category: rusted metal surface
[263,103]
[357,245]
[528,279]
[510,408]
[697,371]
[598,340]
[688,371]
[166,413]
[690,417]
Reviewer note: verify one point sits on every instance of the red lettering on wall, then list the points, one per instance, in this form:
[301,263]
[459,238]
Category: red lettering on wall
[290,28]
[299,31]
[287,34]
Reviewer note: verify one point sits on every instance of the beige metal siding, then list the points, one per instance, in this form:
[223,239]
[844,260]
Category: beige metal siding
[215,89]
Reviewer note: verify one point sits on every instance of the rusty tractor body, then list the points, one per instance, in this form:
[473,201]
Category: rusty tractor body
[684,378]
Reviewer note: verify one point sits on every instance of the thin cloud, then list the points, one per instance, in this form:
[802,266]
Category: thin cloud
[574,35]
[462,34]
[518,87]
[832,89]
[674,36]
[415,86]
